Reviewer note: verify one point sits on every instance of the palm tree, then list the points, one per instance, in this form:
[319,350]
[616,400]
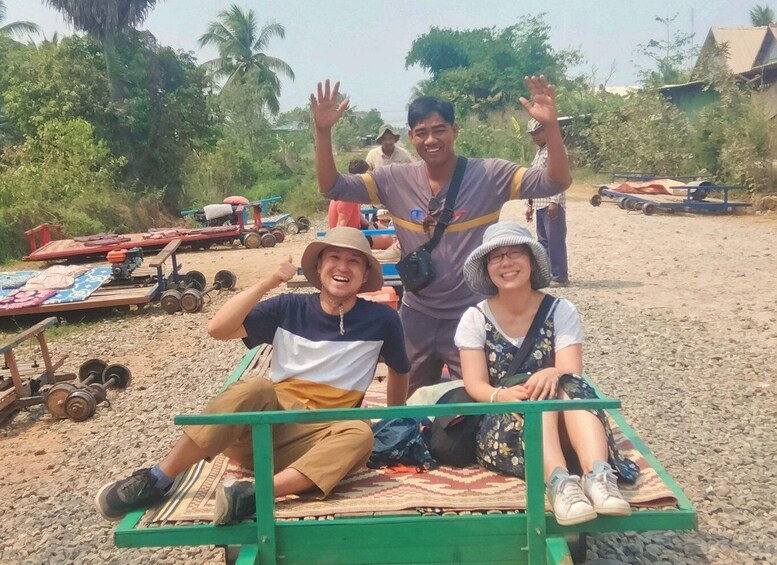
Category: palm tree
[761,15]
[242,54]
[105,20]
[14,28]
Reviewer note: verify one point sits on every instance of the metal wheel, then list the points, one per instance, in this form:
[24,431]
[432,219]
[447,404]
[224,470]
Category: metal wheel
[268,240]
[80,405]
[278,234]
[252,240]
[171,301]
[622,203]
[601,189]
[291,228]
[191,301]
[195,279]
[649,209]
[120,373]
[96,366]
[303,223]
[596,200]
[56,397]
[227,280]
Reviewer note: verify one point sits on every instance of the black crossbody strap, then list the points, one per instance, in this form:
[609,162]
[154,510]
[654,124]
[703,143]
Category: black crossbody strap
[531,336]
[450,200]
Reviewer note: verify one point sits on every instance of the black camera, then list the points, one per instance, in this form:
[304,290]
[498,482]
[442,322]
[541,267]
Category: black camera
[416,269]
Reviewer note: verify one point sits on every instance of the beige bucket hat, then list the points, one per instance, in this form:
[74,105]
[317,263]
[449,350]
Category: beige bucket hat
[348,238]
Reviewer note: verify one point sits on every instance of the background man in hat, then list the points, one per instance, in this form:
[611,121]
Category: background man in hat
[415,193]
[325,349]
[551,213]
[388,152]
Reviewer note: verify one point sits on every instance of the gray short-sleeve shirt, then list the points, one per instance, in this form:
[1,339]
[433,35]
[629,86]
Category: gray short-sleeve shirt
[404,189]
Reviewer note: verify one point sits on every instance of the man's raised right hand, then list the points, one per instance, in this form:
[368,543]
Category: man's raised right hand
[325,108]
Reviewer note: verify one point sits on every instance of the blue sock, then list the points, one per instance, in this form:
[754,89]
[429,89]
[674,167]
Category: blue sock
[600,467]
[557,474]
[162,480]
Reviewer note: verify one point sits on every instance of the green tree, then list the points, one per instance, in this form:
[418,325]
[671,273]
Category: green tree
[57,82]
[296,116]
[761,15]
[106,20]
[672,56]
[482,70]
[645,133]
[14,28]
[164,115]
[242,54]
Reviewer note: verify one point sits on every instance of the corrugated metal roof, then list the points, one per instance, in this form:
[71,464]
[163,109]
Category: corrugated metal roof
[744,43]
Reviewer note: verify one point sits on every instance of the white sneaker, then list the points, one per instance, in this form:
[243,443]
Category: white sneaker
[602,490]
[569,502]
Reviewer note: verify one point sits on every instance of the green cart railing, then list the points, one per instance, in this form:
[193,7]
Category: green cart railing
[532,536]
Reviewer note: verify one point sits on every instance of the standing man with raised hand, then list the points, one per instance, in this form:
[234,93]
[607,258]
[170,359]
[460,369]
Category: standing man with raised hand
[551,213]
[415,194]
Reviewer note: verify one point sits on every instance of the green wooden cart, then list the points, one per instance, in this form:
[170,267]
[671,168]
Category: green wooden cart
[531,537]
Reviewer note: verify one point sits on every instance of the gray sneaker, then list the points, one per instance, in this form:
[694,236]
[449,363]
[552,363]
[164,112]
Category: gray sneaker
[602,490]
[569,502]
[234,501]
[139,490]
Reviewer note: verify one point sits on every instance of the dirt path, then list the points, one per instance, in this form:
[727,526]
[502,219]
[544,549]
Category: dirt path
[679,314]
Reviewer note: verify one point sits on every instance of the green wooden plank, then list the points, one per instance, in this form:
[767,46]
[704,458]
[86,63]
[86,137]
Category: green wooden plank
[249,555]
[470,408]
[557,552]
[428,540]
[243,365]
[187,535]
[264,493]
[129,521]
[535,488]
[316,532]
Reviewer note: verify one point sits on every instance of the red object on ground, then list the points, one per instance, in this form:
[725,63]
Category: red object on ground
[631,187]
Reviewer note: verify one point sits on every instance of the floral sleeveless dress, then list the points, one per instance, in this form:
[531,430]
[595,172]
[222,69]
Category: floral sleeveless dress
[500,445]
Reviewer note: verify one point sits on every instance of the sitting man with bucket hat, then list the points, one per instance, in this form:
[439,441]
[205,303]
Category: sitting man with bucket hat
[325,350]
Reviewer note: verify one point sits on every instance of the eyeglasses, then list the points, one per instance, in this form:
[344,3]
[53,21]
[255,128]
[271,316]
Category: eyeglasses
[515,253]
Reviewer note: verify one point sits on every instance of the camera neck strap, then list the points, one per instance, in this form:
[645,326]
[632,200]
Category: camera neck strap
[531,336]
[450,200]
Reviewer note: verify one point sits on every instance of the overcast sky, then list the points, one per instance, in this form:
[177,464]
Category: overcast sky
[364,43]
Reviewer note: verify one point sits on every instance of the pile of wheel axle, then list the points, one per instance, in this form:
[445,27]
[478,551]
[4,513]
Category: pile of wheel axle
[79,403]
[191,291]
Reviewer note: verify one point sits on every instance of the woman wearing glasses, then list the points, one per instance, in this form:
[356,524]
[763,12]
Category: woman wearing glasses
[510,267]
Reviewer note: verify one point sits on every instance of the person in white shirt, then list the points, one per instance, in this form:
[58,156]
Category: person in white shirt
[388,153]
[511,267]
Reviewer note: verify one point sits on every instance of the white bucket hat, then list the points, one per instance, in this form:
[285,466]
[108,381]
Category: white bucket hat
[349,238]
[504,234]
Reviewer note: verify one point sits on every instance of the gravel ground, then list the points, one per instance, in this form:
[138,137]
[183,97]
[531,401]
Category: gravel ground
[679,314]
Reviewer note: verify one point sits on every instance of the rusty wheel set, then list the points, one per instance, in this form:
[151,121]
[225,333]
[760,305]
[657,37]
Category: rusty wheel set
[79,403]
[192,290]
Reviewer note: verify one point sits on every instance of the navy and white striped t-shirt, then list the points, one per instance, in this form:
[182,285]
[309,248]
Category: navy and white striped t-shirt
[310,358]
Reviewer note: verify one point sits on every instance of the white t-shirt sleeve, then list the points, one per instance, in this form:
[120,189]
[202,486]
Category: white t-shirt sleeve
[471,333]
[566,320]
